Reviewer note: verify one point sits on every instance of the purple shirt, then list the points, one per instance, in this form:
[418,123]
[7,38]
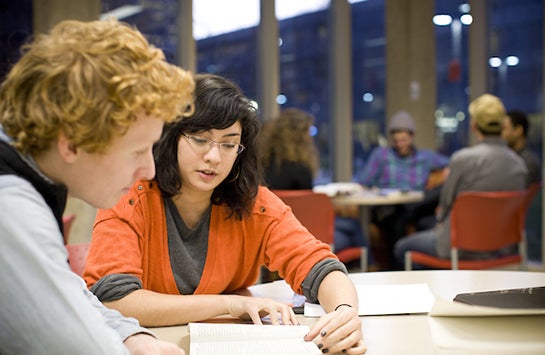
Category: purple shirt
[386,169]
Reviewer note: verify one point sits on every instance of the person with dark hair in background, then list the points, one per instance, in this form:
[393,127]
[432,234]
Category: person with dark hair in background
[515,132]
[79,114]
[183,247]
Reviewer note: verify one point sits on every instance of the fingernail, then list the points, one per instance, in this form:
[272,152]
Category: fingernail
[325,351]
[320,346]
[323,333]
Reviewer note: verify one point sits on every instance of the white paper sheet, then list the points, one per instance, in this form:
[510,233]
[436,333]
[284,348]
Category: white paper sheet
[386,299]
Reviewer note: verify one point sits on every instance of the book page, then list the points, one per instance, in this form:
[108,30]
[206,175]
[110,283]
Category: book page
[242,339]
[231,331]
[255,347]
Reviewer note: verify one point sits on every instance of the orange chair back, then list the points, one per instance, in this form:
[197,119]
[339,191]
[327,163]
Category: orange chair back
[531,192]
[487,221]
[482,221]
[314,210]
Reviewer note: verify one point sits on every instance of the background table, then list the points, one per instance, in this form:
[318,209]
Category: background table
[417,334]
[367,198]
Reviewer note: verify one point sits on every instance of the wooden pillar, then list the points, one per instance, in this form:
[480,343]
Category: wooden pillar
[46,14]
[340,78]
[410,65]
[269,61]
[186,51]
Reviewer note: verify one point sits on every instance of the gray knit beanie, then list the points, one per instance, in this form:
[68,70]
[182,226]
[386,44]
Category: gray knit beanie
[401,121]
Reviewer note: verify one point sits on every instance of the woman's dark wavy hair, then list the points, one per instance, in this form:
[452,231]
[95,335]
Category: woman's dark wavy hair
[219,103]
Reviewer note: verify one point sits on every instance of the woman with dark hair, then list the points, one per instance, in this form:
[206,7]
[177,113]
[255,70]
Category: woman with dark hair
[179,248]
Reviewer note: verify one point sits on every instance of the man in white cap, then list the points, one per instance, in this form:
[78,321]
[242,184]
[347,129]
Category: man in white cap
[490,165]
[403,166]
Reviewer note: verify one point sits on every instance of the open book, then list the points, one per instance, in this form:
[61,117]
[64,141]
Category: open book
[249,339]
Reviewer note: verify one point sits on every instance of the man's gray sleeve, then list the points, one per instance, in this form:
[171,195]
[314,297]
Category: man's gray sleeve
[44,307]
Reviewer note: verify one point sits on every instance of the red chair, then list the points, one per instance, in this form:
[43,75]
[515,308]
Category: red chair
[481,221]
[531,192]
[316,212]
[67,221]
[77,254]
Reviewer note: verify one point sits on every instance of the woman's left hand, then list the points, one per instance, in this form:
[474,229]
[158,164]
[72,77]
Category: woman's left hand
[339,332]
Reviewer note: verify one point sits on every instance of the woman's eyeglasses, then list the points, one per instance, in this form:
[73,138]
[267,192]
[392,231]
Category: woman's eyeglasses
[202,145]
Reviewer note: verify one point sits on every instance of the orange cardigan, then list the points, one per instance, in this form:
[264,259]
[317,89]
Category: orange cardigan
[132,238]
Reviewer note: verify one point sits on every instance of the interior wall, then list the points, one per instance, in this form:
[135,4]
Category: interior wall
[410,59]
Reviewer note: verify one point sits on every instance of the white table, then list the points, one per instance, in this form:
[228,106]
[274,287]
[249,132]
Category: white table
[366,198]
[422,334]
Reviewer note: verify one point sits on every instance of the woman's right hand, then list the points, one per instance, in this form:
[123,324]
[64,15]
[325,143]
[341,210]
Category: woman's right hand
[255,308]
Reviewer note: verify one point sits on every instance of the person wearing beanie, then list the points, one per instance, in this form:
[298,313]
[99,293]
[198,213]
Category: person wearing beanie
[402,166]
[490,165]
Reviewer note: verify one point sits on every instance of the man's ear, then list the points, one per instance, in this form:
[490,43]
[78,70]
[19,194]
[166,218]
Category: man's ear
[68,151]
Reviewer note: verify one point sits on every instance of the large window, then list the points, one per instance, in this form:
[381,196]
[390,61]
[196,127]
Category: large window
[452,22]
[369,79]
[515,73]
[226,33]
[515,47]
[15,29]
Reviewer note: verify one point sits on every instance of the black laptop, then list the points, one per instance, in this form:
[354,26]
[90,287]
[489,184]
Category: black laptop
[527,298]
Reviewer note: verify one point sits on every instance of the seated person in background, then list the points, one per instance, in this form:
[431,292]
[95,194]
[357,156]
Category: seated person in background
[287,151]
[178,248]
[515,131]
[403,166]
[290,161]
[488,166]
[79,115]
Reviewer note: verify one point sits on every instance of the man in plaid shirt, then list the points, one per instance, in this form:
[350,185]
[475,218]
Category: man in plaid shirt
[402,166]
